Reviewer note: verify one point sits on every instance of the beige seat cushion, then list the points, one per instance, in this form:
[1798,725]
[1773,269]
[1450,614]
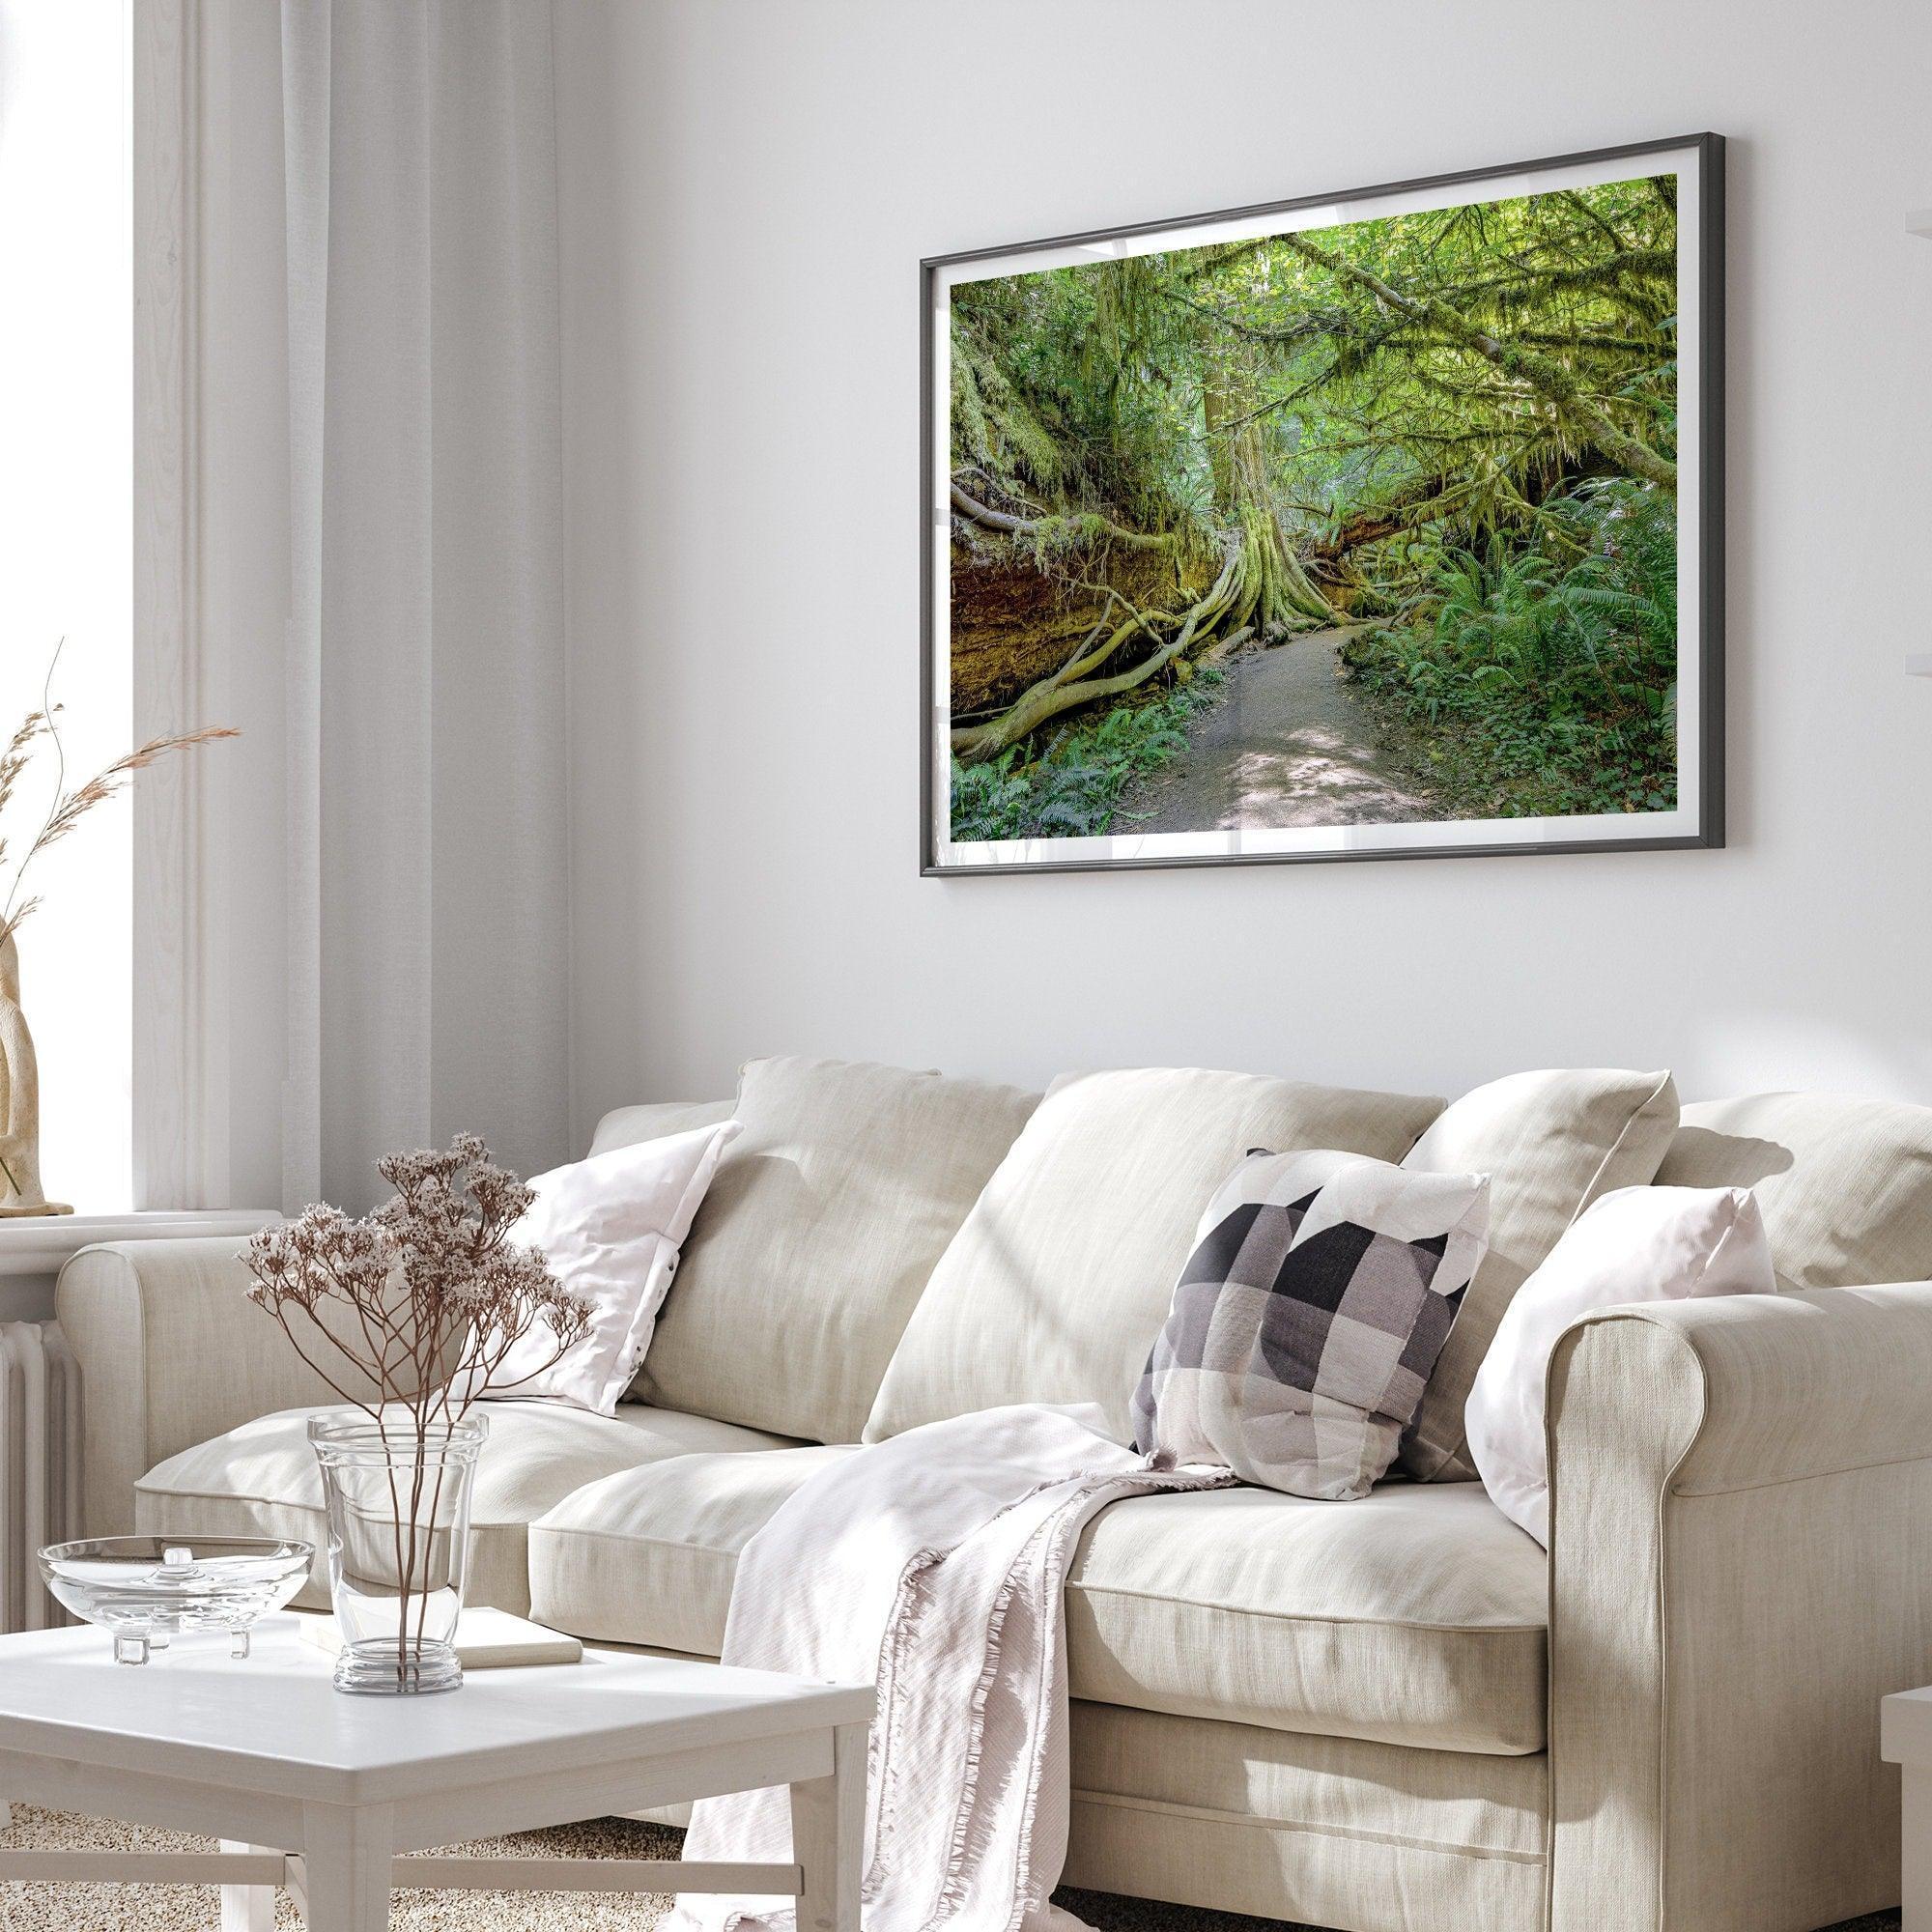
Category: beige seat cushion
[624,1561]
[1845,1184]
[1058,1282]
[1415,1616]
[1551,1143]
[262,1480]
[626,1126]
[816,1236]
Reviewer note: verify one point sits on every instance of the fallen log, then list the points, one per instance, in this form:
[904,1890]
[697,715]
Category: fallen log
[1066,689]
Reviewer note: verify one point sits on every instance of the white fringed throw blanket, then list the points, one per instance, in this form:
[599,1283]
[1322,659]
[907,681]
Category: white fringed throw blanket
[934,1562]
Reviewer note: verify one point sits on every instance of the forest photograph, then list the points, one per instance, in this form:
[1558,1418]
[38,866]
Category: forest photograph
[1373,523]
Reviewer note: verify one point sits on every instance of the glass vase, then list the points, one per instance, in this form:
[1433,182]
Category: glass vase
[397,1493]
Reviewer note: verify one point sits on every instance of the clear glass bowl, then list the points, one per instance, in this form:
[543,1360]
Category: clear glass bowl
[145,1590]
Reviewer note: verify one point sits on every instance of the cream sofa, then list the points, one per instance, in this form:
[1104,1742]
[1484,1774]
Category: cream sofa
[1390,1713]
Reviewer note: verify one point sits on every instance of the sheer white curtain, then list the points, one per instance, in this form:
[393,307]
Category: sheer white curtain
[427,929]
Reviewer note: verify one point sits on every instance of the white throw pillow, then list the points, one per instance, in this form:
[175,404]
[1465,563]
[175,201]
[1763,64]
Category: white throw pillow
[611,1226]
[1552,1142]
[1637,1244]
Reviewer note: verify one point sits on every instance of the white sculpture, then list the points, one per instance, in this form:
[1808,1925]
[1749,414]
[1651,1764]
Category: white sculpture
[19,1100]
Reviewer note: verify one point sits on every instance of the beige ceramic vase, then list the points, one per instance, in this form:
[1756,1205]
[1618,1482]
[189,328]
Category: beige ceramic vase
[20,1190]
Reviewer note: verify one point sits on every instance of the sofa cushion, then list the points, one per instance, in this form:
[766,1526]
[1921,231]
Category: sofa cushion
[1638,1244]
[262,1480]
[1552,1143]
[1414,1616]
[1844,1185]
[626,1126]
[1060,1278]
[620,1561]
[609,1226]
[816,1238]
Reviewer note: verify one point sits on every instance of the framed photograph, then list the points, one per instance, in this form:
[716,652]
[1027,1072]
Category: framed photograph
[1386,523]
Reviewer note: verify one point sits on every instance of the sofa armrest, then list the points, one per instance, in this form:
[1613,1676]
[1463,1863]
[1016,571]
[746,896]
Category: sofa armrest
[1741,1566]
[171,1352]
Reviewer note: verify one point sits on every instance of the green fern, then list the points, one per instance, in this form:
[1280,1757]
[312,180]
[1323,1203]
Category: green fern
[1072,785]
[1546,671]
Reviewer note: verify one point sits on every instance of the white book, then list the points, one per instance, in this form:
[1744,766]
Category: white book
[485,1639]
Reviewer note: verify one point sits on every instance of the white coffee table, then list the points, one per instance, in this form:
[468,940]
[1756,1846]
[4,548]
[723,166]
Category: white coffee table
[319,1792]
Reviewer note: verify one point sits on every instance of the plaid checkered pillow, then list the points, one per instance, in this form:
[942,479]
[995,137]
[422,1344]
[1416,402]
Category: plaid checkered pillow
[1305,1324]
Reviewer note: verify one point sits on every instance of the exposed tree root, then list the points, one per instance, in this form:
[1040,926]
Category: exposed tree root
[1273,590]
[1070,687]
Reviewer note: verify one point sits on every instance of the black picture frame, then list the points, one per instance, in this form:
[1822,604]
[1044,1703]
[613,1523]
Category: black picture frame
[1705,263]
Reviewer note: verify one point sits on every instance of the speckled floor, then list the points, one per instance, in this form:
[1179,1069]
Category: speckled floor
[103,1908]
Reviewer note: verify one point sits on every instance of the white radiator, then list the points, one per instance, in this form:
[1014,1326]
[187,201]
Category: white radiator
[40,1466]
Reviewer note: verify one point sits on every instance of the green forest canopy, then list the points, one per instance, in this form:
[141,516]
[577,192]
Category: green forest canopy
[1455,429]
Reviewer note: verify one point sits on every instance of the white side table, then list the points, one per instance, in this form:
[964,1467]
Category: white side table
[1905,1739]
[319,1792]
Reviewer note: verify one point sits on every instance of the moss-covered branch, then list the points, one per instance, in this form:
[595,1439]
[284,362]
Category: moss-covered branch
[1555,383]
[1084,526]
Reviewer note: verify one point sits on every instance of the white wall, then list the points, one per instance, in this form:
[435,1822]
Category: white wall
[746,186]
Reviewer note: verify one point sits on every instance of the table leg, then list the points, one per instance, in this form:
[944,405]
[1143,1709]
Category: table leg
[246,1907]
[1917,1849]
[346,1857]
[828,1831]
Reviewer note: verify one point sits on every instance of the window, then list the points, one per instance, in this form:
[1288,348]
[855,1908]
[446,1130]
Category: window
[65,487]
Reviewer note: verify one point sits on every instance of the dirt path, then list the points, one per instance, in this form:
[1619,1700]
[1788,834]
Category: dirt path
[1290,745]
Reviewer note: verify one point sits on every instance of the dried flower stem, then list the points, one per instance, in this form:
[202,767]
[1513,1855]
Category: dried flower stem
[68,808]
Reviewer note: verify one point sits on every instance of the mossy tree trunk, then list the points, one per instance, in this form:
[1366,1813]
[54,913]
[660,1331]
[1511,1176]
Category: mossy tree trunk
[1272,591]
